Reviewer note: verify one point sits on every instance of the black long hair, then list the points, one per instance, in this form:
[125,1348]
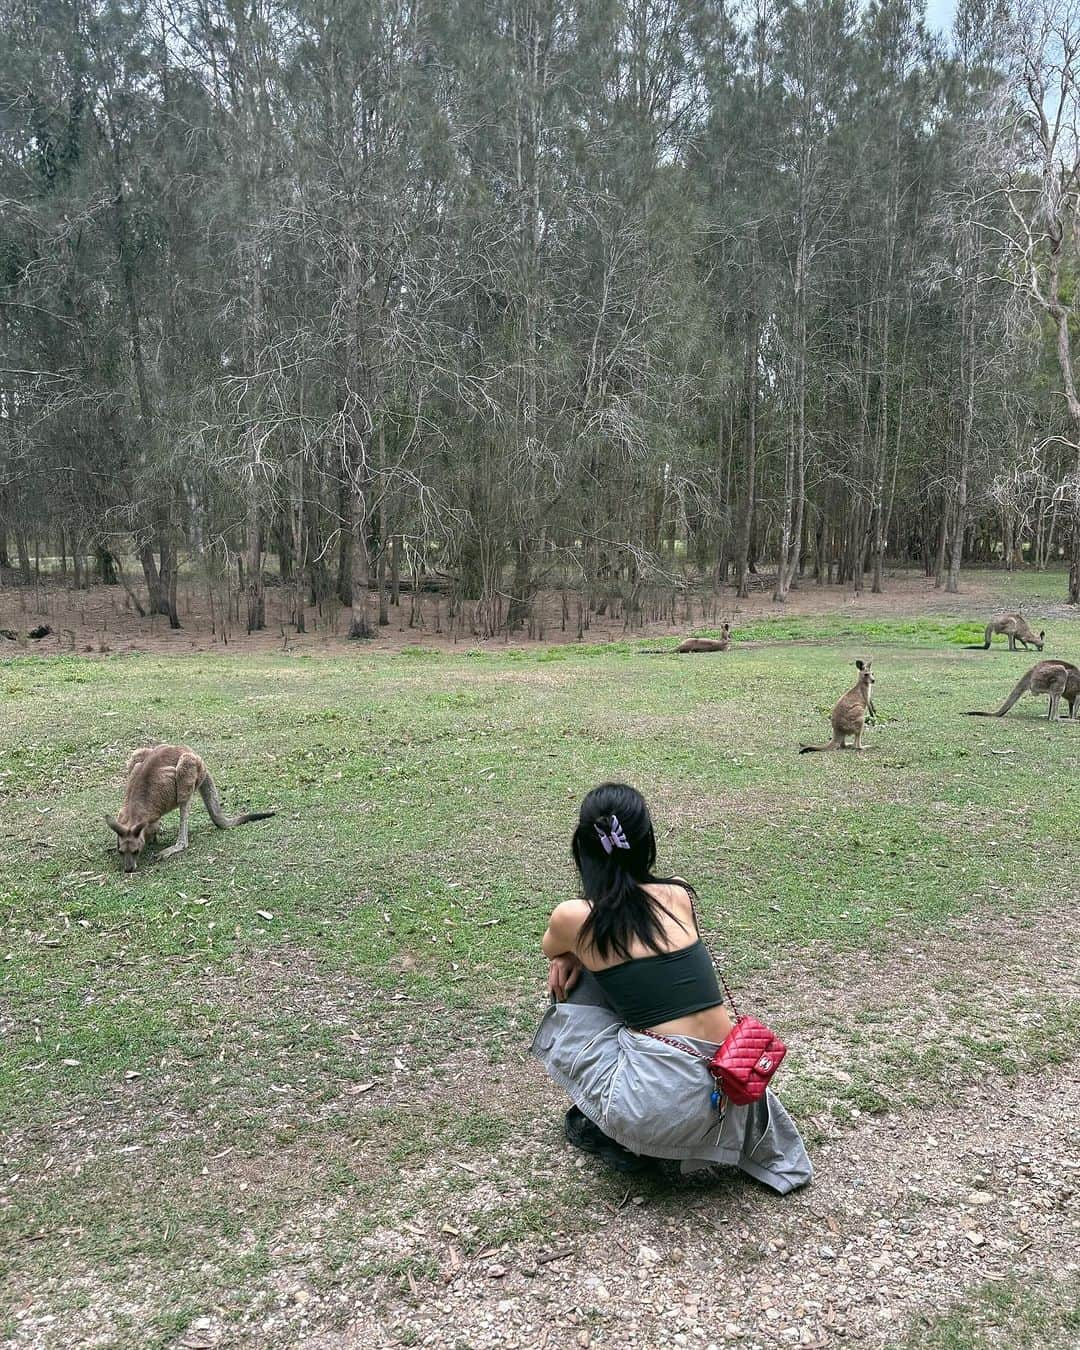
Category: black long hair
[620,910]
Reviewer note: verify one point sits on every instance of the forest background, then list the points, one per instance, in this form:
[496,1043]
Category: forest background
[610,299]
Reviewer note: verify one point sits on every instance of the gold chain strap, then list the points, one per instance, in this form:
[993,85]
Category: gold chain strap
[708,947]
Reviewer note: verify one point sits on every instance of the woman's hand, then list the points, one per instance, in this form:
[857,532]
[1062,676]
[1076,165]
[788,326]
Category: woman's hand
[563,973]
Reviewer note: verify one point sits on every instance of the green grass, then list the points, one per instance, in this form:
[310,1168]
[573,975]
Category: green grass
[425,804]
[1006,1314]
[935,631]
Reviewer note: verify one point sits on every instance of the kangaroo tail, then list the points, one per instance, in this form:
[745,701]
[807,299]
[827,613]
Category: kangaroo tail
[806,749]
[1019,688]
[212,801]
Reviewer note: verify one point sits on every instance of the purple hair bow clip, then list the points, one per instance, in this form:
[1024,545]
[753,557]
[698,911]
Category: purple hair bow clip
[614,837]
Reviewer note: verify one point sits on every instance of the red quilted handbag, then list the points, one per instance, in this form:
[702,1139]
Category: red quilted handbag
[750,1054]
[748,1058]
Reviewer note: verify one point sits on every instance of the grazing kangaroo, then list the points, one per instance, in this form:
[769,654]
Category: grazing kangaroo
[1017,629]
[160,779]
[849,715]
[720,644]
[1059,679]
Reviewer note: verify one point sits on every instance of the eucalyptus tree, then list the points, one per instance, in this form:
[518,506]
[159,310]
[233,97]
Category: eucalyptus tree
[1041,190]
[814,59]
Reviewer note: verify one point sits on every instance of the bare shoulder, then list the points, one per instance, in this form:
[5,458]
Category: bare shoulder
[674,898]
[672,893]
[569,916]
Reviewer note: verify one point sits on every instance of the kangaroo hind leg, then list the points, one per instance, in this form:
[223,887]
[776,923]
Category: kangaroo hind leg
[188,774]
[182,836]
[135,759]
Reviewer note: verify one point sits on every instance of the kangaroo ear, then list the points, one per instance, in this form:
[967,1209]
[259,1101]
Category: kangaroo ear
[858,665]
[111,822]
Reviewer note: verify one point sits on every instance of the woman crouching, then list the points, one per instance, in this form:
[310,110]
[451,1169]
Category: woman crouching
[628,960]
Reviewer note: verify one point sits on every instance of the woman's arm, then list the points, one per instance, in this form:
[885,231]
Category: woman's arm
[563,973]
[559,946]
[563,928]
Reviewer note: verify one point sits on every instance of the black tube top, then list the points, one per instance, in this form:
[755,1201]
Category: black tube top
[652,989]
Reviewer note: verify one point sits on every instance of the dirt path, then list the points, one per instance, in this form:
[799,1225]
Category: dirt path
[908,1213]
[102,619]
[912,1211]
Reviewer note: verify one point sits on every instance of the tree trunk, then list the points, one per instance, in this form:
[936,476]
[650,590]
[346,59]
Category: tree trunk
[169,573]
[155,595]
[296,522]
[942,541]
[380,577]
[967,426]
[795,459]
[360,573]
[254,582]
[746,520]
[22,546]
[522,586]
[104,565]
[345,535]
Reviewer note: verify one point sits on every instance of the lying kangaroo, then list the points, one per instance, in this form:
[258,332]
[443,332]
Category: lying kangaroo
[1017,629]
[1059,679]
[160,779]
[849,715]
[720,644]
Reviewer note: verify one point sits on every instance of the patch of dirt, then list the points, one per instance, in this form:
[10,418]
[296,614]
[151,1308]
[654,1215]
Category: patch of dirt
[102,619]
[907,1212]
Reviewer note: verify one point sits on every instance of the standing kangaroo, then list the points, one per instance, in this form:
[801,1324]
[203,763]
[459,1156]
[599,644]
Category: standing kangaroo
[849,715]
[1017,629]
[720,644]
[160,779]
[1059,679]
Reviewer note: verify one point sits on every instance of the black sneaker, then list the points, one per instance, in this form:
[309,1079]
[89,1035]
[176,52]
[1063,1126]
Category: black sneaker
[583,1134]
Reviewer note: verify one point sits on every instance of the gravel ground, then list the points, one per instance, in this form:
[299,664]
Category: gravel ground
[909,1213]
[912,1211]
